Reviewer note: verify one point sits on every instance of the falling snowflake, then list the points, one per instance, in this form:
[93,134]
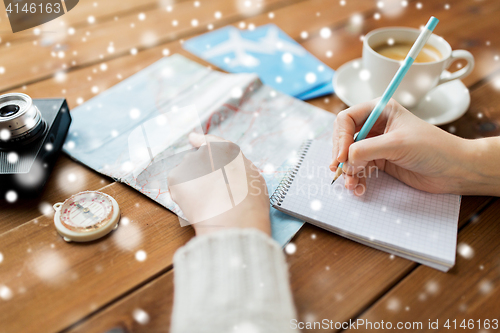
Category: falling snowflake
[304,34]
[70,144]
[72,177]
[356,19]
[140,316]
[5,293]
[128,236]
[236,92]
[135,113]
[485,286]
[46,209]
[496,83]
[407,98]
[50,266]
[393,304]
[287,58]
[364,75]
[11,196]
[432,287]
[12,157]
[91,19]
[310,78]
[325,32]
[316,205]
[4,135]
[465,250]
[290,248]
[140,255]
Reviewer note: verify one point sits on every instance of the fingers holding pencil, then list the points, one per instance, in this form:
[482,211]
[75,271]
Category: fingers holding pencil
[347,123]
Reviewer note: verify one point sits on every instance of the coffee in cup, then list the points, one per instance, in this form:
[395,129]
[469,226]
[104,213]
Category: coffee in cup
[398,51]
[383,51]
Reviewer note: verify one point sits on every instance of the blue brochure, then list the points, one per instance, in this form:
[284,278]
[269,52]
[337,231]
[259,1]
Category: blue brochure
[280,61]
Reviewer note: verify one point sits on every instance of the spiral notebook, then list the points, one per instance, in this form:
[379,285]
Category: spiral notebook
[390,216]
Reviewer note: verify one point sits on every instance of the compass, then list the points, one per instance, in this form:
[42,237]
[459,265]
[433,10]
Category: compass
[86,216]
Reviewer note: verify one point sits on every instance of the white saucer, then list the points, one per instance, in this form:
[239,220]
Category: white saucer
[444,104]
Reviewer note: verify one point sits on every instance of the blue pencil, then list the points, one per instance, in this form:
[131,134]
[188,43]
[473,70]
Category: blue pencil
[396,80]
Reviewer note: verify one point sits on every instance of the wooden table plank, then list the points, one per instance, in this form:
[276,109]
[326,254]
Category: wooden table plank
[469,291]
[78,18]
[53,284]
[66,179]
[321,272]
[91,44]
[155,299]
[129,64]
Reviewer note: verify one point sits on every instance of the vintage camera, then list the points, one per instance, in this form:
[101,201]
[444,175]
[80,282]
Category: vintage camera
[32,133]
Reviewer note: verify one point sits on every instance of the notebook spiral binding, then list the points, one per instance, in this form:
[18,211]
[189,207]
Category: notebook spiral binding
[283,187]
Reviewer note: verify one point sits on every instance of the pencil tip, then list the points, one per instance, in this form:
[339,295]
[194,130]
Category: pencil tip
[337,175]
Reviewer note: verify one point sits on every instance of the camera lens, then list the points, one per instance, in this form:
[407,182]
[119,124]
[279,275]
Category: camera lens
[20,121]
[9,110]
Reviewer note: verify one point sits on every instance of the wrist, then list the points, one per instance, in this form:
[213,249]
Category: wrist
[480,167]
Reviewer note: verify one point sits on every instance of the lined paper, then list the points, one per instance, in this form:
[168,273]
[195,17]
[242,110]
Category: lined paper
[390,215]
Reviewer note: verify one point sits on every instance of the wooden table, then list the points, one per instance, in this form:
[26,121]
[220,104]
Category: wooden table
[48,285]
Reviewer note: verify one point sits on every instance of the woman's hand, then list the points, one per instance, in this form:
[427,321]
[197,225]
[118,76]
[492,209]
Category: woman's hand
[218,188]
[419,154]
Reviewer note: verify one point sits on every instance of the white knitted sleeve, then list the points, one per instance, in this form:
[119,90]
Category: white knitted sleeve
[231,281]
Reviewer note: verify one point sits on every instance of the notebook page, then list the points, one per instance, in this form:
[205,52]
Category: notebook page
[389,213]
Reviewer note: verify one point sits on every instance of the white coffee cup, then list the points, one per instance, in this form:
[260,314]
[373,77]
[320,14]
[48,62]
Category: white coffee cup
[421,77]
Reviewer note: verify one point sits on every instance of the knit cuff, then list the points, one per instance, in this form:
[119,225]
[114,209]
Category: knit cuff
[230,279]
